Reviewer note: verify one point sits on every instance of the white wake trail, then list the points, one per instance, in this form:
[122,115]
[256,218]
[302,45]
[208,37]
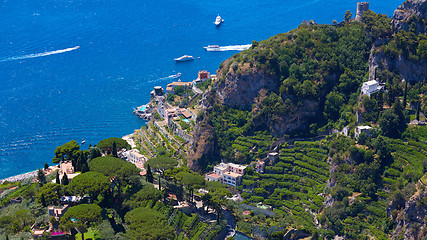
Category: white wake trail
[36,55]
[235,47]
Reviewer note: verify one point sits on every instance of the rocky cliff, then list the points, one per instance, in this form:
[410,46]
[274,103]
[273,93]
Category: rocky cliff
[412,14]
[411,11]
[412,220]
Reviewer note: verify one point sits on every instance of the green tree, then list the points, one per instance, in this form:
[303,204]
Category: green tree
[92,183]
[46,166]
[179,90]
[106,145]
[57,178]
[64,179]
[24,217]
[147,224]
[347,16]
[94,152]
[49,194]
[161,164]
[192,181]
[149,175]
[114,149]
[81,217]
[69,151]
[116,169]
[388,122]
[43,200]
[333,104]
[422,49]
[147,193]
[41,178]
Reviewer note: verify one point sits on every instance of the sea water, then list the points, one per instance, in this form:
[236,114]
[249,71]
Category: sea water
[51,93]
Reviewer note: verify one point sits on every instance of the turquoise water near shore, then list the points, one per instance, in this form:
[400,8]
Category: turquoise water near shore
[126,48]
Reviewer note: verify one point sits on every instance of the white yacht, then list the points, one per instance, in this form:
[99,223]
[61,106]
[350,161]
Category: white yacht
[218,20]
[184,58]
[212,48]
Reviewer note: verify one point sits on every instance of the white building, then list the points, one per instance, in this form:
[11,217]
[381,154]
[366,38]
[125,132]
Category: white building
[360,129]
[232,178]
[370,87]
[228,173]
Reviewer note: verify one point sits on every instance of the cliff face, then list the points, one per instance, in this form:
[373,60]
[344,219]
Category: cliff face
[240,90]
[409,70]
[411,12]
[417,10]
[412,220]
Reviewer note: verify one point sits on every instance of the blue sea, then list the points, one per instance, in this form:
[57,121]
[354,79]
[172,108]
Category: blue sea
[52,92]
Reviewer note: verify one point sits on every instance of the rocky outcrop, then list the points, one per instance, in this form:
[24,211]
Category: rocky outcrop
[412,221]
[240,89]
[410,11]
[408,70]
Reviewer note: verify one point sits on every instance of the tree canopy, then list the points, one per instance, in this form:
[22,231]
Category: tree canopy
[92,183]
[148,192]
[107,144]
[81,217]
[146,223]
[51,193]
[161,163]
[67,151]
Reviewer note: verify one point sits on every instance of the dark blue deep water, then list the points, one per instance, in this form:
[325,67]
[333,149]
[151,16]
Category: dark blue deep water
[126,48]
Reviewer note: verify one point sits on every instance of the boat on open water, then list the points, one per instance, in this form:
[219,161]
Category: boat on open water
[218,20]
[184,58]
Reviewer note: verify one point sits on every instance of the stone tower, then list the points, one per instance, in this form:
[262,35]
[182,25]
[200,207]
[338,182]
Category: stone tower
[361,8]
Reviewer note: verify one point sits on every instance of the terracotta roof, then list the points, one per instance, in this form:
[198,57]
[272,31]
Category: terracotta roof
[179,84]
[213,175]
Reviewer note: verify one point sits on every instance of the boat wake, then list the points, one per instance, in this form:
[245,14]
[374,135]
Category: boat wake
[36,55]
[229,48]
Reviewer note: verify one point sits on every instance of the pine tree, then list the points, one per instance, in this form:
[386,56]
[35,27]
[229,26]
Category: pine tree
[41,177]
[57,178]
[149,175]
[46,166]
[43,200]
[418,110]
[85,168]
[65,179]
[405,94]
[114,149]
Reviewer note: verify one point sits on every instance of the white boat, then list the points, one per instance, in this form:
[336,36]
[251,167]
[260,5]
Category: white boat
[184,58]
[212,48]
[84,141]
[218,20]
[176,75]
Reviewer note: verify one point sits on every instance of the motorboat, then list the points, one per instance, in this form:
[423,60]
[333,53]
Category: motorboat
[176,75]
[212,48]
[84,141]
[218,20]
[184,58]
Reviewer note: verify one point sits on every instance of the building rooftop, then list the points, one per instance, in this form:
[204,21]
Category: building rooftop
[222,166]
[364,127]
[212,174]
[186,113]
[237,166]
[232,174]
[179,84]
[372,82]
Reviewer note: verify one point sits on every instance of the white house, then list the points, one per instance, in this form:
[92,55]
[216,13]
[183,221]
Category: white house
[228,173]
[370,87]
[360,129]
